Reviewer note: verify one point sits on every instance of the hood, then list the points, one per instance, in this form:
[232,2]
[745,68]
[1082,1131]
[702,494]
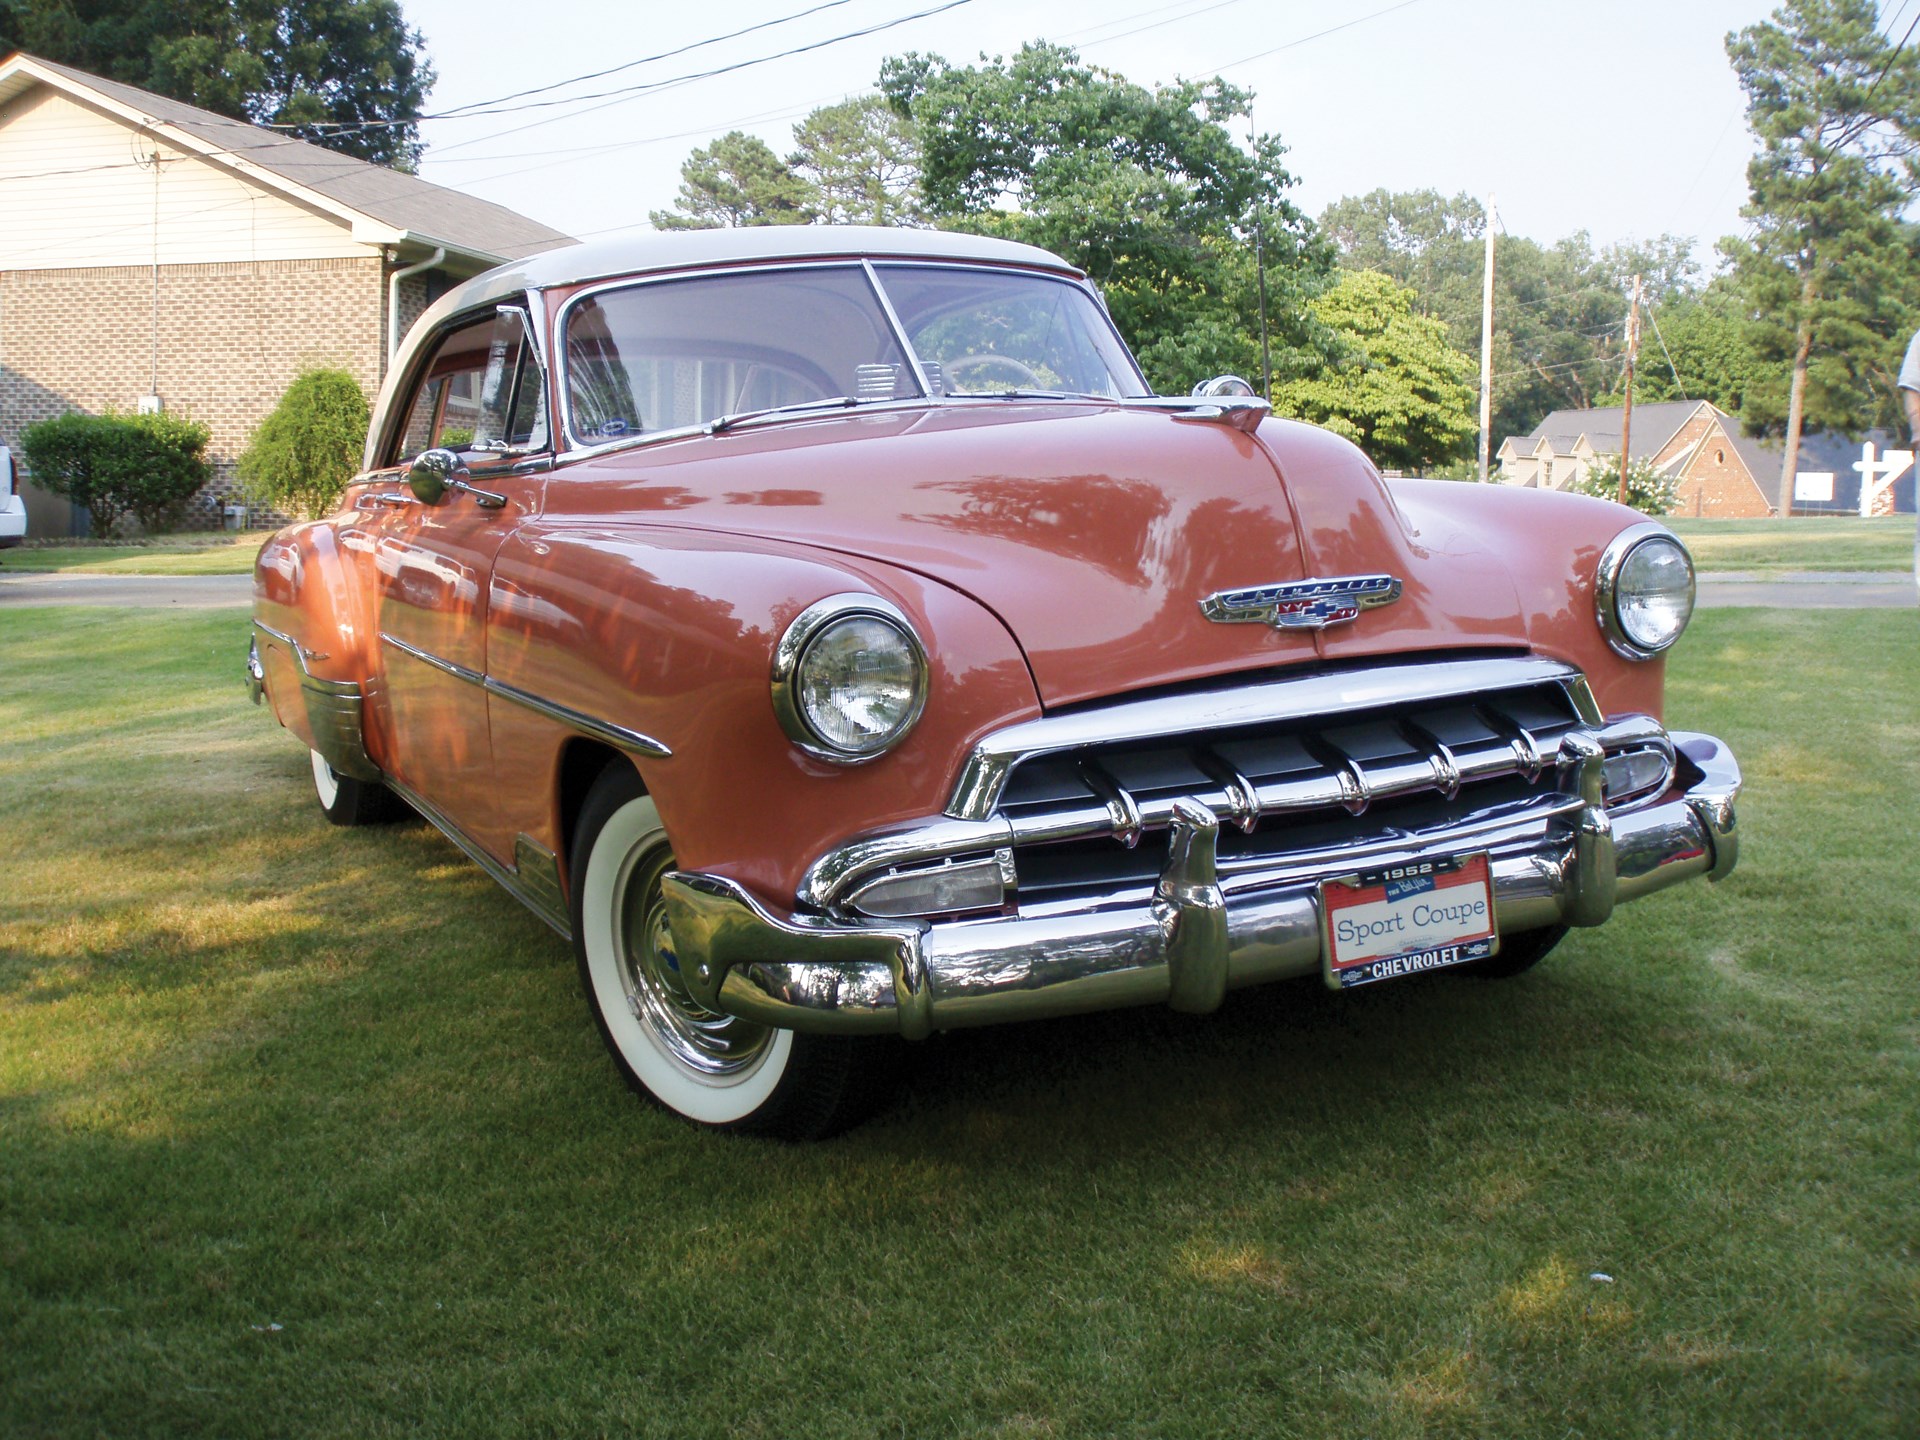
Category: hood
[1093,532]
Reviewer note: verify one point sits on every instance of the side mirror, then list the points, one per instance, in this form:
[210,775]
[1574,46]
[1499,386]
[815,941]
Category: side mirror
[432,474]
[1224,385]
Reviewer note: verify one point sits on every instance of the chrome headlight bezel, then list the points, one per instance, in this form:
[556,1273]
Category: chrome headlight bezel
[790,655]
[1606,589]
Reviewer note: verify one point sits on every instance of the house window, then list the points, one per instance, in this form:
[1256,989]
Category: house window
[1719,457]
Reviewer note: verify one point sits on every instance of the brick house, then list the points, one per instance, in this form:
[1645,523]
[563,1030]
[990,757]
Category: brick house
[1717,470]
[156,254]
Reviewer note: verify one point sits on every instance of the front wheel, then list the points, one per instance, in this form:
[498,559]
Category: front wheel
[713,1069]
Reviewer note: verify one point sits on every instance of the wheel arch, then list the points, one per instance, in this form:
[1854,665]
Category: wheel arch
[583,761]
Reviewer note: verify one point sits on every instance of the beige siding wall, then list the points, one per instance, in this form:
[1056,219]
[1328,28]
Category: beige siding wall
[82,196]
[231,338]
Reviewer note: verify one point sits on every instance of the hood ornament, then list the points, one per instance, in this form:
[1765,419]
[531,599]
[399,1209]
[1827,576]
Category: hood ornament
[1302,604]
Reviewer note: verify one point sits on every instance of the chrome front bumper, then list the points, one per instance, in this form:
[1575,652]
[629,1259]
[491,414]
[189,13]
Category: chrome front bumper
[1195,937]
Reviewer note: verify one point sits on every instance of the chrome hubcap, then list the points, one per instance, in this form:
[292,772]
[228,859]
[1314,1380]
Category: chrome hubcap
[715,1045]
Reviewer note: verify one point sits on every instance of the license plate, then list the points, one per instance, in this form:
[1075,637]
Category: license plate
[1408,919]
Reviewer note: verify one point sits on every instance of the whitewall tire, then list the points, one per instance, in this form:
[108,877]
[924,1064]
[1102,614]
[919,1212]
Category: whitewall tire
[713,1069]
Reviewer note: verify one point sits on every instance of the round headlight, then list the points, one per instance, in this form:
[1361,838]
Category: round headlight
[1644,591]
[849,678]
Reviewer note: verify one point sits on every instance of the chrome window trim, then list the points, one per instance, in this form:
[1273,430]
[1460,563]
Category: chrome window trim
[899,330]
[387,427]
[616,735]
[792,648]
[976,791]
[1606,581]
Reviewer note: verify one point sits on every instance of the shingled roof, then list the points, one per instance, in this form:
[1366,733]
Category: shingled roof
[1653,426]
[427,213]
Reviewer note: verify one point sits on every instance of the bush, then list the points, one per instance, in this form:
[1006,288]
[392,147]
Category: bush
[147,466]
[303,454]
[1648,491]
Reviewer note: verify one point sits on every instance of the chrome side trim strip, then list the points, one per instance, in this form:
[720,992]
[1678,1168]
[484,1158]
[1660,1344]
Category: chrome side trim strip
[618,736]
[528,894]
[538,869]
[426,657]
[976,793]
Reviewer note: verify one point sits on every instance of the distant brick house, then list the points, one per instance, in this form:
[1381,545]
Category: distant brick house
[153,253]
[1717,470]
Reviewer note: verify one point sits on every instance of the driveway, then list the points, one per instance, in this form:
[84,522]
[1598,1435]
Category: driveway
[187,591]
[1810,589]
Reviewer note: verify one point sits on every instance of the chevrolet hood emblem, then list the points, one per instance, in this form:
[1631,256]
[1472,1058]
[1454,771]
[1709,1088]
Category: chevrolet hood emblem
[1302,604]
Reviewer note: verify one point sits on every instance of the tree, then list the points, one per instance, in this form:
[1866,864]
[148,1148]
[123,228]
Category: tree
[304,453]
[1559,310]
[737,180]
[1401,392]
[313,65]
[1835,106]
[1146,190]
[862,163]
[1648,491]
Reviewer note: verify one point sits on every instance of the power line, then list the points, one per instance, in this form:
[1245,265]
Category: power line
[644,60]
[1317,35]
[629,91]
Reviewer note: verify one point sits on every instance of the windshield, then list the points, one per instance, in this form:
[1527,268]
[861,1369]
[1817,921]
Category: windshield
[983,332]
[674,354]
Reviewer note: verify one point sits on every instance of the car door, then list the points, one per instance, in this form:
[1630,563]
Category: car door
[478,410]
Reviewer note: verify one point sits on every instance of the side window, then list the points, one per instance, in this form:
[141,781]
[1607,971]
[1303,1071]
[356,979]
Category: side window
[482,393]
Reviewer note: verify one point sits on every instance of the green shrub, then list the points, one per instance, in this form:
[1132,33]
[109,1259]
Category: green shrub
[147,466]
[1648,491]
[303,454]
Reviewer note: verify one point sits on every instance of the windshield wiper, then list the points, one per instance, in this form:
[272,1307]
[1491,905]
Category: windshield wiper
[799,407]
[1031,395]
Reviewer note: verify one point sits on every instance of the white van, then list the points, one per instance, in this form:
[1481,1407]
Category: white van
[13,510]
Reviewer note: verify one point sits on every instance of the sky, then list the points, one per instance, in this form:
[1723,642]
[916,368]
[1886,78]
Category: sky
[1618,117]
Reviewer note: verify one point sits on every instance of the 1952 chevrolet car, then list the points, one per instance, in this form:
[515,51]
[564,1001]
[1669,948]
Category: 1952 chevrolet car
[830,632]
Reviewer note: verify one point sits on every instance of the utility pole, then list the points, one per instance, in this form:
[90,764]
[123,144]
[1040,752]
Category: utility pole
[1260,265]
[1626,418]
[1486,352]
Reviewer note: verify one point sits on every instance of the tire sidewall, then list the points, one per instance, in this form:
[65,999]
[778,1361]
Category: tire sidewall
[619,827]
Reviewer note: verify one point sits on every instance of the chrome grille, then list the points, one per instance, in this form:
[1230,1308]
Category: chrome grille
[1305,773]
[1287,789]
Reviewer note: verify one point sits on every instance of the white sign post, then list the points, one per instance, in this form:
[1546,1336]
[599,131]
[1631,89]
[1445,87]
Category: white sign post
[1877,478]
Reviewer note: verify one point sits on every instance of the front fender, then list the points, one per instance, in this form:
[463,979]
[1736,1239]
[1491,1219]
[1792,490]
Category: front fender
[1549,544]
[671,633]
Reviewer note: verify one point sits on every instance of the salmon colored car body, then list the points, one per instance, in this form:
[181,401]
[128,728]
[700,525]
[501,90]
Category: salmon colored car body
[830,632]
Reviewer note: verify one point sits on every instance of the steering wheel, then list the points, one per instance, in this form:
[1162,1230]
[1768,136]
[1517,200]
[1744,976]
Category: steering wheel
[1023,371]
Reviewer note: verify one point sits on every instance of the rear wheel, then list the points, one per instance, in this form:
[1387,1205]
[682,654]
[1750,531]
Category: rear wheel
[1518,954]
[347,801]
[713,1069]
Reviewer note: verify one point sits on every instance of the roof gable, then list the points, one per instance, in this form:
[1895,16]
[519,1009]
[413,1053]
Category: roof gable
[381,206]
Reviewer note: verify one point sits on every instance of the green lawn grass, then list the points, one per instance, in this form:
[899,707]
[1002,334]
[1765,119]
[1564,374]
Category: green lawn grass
[256,1071]
[211,553]
[1806,543]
